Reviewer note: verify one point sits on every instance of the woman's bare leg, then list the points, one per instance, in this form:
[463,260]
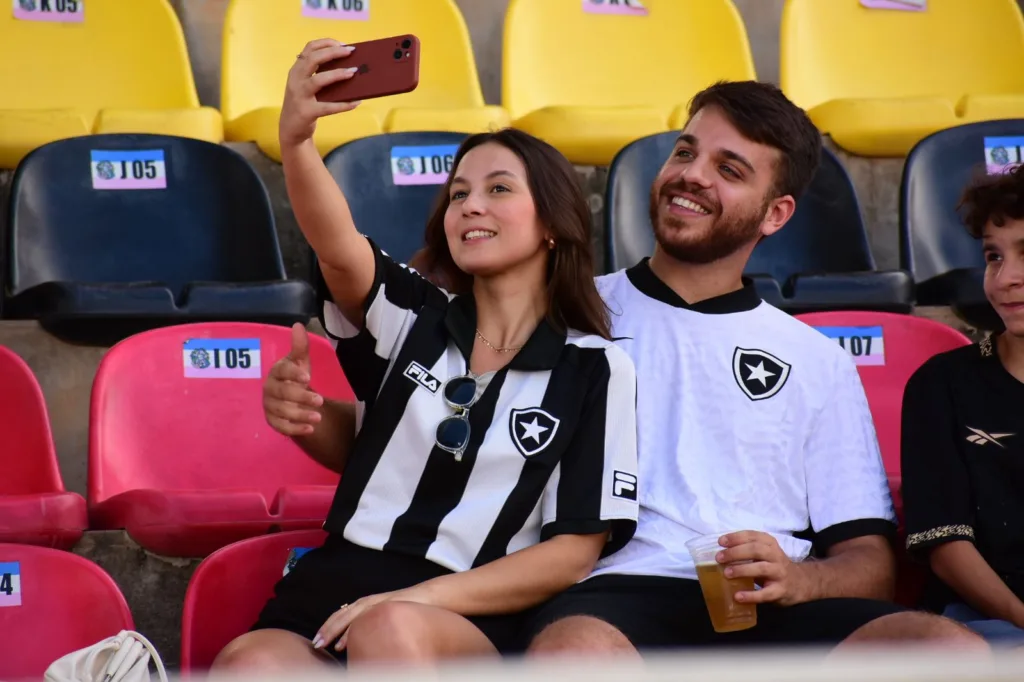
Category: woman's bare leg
[270,651]
[404,632]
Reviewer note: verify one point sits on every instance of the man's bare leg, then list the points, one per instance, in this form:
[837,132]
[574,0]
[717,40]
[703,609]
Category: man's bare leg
[582,635]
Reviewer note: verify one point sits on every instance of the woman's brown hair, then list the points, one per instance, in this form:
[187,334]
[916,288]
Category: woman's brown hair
[573,301]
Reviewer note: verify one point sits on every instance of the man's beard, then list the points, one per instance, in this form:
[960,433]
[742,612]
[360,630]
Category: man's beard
[726,235]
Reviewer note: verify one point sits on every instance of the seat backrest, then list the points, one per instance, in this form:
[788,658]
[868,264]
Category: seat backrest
[180,408]
[128,55]
[825,234]
[838,49]
[211,221]
[379,177]
[52,603]
[660,59]
[888,348]
[228,590]
[933,239]
[27,454]
[255,68]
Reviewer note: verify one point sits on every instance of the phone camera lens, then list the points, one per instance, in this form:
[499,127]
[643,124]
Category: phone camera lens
[398,54]
[406,44]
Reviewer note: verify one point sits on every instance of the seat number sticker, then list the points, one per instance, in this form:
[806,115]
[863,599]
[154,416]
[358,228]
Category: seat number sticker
[10,583]
[865,344]
[49,10]
[422,165]
[1003,154]
[905,5]
[128,169]
[222,358]
[349,10]
[633,8]
[293,558]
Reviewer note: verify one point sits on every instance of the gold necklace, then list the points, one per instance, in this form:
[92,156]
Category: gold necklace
[497,350]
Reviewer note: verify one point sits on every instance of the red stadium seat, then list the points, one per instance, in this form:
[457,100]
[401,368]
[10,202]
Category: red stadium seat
[52,603]
[907,342]
[34,507]
[228,591]
[179,451]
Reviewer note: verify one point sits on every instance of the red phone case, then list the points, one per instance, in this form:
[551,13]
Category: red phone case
[388,66]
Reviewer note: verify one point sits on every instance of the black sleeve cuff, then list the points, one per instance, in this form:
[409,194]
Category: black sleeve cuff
[848,530]
[918,543]
[621,531]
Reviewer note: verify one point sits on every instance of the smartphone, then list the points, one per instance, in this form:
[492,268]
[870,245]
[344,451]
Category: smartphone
[389,66]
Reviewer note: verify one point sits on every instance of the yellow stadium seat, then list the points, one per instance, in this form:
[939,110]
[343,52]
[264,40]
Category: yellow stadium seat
[255,69]
[591,83]
[122,67]
[879,80]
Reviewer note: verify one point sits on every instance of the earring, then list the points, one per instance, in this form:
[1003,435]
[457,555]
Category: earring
[551,243]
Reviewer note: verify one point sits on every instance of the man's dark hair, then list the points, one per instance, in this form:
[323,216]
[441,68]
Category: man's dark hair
[764,115]
[995,198]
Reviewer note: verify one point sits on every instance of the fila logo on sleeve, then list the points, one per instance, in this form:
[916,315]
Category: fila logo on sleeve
[624,486]
[421,376]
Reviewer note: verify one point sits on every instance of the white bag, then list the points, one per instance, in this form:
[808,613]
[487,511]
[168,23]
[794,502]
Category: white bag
[123,658]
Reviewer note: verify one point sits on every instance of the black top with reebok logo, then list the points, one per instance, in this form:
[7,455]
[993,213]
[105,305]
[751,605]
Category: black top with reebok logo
[551,446]
[963,461]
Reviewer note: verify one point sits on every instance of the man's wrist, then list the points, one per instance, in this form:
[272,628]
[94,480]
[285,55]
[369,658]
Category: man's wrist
[803,584]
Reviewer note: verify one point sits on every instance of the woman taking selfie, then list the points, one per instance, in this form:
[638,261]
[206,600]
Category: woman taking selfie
[495,458]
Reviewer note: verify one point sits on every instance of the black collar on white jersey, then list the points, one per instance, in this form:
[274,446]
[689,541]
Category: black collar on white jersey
[541,351]
[643,278]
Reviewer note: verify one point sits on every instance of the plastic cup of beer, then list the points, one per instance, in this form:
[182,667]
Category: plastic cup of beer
[727,614]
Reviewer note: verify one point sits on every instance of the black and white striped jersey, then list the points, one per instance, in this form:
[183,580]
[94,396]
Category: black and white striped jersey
[552,446]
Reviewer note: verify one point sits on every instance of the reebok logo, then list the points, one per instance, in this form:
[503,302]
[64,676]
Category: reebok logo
[979,437]
[624,486]
[421,376]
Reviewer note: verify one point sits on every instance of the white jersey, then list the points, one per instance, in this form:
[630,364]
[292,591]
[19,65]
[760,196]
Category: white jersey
[748,419]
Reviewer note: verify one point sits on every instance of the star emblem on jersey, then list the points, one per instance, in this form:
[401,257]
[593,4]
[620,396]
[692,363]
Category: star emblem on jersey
[759,374]
[532,430]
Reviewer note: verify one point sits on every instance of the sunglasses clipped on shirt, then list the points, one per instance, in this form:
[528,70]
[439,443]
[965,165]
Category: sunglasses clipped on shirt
[452,433]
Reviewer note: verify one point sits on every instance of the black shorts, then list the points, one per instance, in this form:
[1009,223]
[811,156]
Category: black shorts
[340,572]
[658,613]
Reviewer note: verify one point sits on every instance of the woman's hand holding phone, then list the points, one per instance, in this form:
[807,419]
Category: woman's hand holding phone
[301,108]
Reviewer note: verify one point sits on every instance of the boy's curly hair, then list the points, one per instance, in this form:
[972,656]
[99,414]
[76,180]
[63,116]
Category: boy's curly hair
[995,198]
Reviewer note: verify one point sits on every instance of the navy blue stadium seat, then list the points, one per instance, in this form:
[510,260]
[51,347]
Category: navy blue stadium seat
[820,260]
[946,262]
[393,215]
[95,261]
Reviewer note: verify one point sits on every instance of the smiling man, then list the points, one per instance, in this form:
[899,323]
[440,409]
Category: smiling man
[748,420]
